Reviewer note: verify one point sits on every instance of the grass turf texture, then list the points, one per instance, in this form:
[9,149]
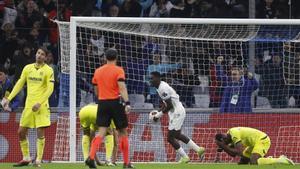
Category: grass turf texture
[155,166]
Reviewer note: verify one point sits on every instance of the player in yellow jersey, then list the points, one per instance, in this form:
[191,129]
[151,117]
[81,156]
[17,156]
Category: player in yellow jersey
[39,80]
[87,116]
[250,144]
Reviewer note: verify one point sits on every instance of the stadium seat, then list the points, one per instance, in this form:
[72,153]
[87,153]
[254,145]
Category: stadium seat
[136,98]
[143,106]
[201,100]
[262,102]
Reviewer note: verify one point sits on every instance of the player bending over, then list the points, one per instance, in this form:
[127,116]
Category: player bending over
[176,113]
[87,117]
[250,144]
[40,83]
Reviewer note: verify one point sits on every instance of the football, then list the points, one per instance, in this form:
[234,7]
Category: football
[152,115]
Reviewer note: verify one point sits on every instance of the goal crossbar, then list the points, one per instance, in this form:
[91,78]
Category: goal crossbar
[188,21]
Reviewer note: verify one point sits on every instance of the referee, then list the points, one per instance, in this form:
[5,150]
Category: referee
[109,81]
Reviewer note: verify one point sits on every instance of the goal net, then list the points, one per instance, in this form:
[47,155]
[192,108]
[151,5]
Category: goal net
[199,59]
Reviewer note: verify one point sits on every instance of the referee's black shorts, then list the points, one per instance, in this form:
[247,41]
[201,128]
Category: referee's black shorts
[111,110]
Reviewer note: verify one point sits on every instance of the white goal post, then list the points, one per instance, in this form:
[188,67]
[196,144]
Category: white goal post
[245,30]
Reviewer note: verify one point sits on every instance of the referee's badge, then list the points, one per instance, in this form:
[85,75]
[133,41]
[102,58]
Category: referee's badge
[41,73]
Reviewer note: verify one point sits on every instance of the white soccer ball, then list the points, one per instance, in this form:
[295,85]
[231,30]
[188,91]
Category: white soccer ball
[152,115]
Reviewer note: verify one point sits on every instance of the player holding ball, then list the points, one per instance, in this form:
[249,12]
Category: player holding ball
[176,112]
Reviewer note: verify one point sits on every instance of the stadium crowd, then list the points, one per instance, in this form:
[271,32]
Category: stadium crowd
[27,24]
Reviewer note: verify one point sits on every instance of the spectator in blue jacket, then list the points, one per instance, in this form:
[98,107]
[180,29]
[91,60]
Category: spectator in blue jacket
[238,90]
[5,88]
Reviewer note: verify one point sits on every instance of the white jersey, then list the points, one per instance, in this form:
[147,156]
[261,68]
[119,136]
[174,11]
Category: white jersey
[177,114]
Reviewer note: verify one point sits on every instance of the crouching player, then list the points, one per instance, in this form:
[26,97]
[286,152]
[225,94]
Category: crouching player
[250,144]
[87,116]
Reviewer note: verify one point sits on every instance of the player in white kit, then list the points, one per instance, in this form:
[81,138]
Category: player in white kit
[176,113]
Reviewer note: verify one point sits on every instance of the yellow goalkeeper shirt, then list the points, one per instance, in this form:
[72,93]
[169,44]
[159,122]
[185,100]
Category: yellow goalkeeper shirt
[246,135]
[39,81]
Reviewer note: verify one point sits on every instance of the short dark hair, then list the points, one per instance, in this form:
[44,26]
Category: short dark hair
[44,49]
[155,74]
[111,54]
[219,137]
[2,69]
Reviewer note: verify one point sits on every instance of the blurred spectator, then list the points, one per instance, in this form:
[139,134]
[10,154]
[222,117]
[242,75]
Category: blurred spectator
[63,14]
[272,83]
[113,11]
[131,8]
[22,6]
[160,8]
[83,7]
[53,100]
[183,82]
[28,17]
[216,88]
[97,43]
[180,10]
[8,42]
[46,6]
[5,88]
[273,9]
[9,13]
[22,58]
[238,90]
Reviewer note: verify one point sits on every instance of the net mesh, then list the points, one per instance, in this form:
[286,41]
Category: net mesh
[194,59]
[148,140]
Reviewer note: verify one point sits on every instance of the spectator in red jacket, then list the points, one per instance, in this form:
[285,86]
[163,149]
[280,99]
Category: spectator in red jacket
[63,14]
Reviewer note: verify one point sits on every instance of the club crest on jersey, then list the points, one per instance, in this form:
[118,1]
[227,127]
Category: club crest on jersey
[41,73]
[164,94]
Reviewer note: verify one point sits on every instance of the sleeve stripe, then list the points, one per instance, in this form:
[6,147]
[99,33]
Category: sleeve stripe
[121,80]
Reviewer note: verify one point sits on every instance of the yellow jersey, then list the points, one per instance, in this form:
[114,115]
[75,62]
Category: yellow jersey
[39,81]
[246,135]
[88,114]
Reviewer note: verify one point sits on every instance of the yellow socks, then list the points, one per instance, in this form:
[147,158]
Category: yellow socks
[281,160]
[109,146]
[263,161]
[24,144]
[85,146]
[40,144]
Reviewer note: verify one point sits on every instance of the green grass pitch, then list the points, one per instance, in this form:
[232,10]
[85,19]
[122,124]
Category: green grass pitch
[156,166]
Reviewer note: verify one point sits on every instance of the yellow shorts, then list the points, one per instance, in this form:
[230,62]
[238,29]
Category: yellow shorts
[40,118]
[261,148]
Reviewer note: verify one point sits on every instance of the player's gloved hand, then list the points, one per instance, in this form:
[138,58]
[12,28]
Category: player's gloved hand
[36,107]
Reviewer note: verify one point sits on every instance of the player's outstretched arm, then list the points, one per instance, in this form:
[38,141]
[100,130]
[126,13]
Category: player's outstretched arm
[19,85]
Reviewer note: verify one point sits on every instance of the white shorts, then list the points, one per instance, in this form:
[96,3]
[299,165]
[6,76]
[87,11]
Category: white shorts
[176,119]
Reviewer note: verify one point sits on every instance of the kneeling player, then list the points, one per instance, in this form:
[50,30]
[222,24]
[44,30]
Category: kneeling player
[176,113]
[250,144]
[87,116]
